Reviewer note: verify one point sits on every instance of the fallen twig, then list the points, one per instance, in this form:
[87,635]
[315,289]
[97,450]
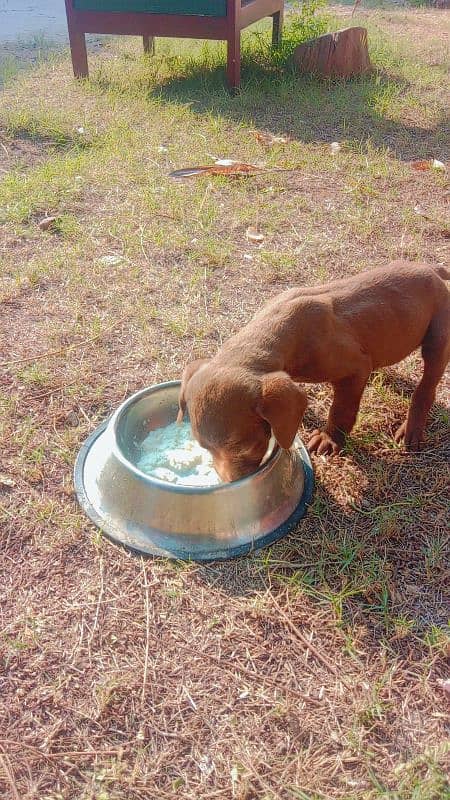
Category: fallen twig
[4,761]
[52,391]
[60,351]
[260,678]
[99,600]
[147,633]
[66,753]
[311,647]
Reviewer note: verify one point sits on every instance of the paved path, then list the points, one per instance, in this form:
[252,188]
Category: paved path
[24,19]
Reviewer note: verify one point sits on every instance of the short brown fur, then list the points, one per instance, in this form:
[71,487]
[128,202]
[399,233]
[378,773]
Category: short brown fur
[337,333]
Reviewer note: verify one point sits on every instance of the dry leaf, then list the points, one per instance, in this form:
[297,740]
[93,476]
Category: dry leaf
[269,139]
[235,169]
[226,167]
[188,172]
[426,164]
[111,261]
[47,223]
[8,483]
[253,235]
[421,166]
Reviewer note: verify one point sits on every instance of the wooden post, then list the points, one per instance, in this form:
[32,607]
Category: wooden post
[79,53]
[277,29]
[233,44]
[149,44]
[77,42]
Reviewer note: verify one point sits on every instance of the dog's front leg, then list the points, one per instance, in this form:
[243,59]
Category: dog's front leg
[342,417]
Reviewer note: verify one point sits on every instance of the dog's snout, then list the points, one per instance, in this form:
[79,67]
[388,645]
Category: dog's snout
[232,471]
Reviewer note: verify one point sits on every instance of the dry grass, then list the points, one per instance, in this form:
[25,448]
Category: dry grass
[311,670]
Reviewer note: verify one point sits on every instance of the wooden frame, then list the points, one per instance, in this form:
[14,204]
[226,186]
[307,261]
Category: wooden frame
[240,14]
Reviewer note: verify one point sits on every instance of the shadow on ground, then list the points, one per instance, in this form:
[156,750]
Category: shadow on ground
[374,559]
[311,110]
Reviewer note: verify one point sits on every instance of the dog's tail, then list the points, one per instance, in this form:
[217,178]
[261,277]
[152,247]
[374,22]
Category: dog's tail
[443,273]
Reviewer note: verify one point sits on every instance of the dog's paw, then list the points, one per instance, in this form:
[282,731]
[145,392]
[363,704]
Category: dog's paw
[412,438]
[323,444]
[399,434]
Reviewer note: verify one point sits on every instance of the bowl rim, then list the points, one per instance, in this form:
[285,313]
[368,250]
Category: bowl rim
[118,535]
[113,425]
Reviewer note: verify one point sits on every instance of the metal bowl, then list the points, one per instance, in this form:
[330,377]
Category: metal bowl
[207,523]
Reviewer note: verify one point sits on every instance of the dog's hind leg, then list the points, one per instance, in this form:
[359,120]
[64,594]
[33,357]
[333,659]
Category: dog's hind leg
[435,354]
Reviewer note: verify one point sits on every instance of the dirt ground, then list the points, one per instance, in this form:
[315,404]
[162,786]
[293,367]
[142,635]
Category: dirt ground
[317,668]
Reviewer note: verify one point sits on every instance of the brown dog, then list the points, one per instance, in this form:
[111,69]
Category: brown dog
[336,333]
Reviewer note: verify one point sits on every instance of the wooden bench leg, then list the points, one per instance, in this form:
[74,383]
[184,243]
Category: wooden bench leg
[277,29]
[234,61]
[149,44]
[79,53]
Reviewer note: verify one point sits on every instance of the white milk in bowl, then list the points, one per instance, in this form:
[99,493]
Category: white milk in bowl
[172,454]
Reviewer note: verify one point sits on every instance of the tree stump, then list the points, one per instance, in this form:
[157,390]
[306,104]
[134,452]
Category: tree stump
[340,54]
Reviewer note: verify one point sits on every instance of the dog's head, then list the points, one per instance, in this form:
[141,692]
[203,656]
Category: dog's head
[233,413]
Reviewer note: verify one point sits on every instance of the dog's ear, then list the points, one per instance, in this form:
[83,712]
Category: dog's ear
[188,372]
[282,404]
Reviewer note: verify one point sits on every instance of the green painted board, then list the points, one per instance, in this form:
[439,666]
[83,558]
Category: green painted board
[204,8]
